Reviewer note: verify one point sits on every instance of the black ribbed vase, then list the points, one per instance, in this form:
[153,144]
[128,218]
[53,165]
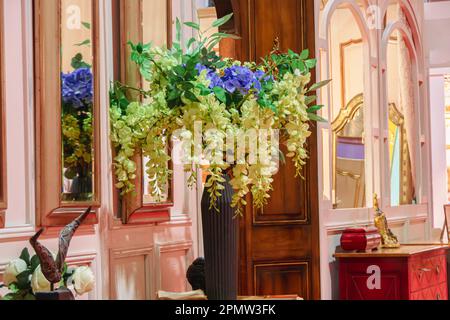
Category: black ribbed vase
[221,247]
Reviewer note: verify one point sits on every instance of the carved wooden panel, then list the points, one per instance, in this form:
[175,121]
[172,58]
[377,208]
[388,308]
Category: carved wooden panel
[287,229]
[286,203]
[282,278]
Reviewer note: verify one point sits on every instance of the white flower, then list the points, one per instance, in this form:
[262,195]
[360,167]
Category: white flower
[13,269]
[38,281]
[83,280]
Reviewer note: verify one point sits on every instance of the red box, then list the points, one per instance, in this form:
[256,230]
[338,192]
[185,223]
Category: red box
[360,239]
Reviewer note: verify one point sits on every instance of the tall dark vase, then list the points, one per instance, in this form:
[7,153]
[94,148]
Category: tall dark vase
[220,231]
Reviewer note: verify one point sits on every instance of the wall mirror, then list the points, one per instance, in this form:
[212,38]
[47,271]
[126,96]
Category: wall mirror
[401,122]
[66,48]
[349,154]
[146,22]
[77,100]
[347,62]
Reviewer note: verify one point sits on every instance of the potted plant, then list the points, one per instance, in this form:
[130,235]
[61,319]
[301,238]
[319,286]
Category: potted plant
[211,106]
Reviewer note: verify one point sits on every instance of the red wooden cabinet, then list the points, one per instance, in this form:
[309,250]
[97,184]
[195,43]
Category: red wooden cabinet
[413,272]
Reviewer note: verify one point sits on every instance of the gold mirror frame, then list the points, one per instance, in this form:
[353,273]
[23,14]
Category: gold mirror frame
[51,210]
[3,172]
[398,119]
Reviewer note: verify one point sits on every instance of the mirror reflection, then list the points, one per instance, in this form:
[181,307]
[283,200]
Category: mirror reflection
[155,19]
[347,110]
[400,122]
[77,97]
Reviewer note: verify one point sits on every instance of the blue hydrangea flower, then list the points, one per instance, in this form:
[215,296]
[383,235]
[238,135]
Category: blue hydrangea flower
[77,88]
[235,78]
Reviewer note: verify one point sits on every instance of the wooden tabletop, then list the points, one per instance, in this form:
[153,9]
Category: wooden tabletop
[403,251]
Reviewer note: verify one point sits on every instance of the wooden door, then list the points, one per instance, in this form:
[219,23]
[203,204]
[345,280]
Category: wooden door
[279,249]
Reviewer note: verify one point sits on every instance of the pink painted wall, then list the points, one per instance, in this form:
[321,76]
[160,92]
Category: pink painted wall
[437,41]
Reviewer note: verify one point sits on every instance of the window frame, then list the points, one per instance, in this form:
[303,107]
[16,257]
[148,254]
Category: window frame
[3,170]
[51,211]
[405,28]
[131,207]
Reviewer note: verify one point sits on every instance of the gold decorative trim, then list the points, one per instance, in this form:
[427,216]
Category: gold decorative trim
[347,113]
[398,119]
[344,117]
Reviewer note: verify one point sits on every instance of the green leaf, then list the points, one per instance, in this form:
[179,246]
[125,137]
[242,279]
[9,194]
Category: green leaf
[305,54]
[25,256]
[189,95]
[214,43]
[34,263]
[193,25]
[224,35]
[10,297]
[23,280]
[315,117]
[84,43]
[13,287]
[87,25]
[178,28]
[220,94]
[311,63]
[222,21]
[314,109]
[319,85]
[190,42]
[310,99]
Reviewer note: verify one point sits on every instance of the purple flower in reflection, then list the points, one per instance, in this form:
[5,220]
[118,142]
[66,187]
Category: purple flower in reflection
[77,88]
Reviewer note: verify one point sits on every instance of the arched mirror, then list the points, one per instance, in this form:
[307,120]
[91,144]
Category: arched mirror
[401,118]
[347,63]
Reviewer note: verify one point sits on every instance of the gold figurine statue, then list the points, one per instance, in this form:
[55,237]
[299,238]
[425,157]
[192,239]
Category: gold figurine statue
[388,239]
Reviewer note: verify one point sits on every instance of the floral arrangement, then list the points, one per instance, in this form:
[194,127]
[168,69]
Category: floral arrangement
[23,278]
[227,98]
